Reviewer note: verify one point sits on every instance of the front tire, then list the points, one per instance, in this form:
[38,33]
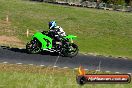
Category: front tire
[33,47]
[71,51]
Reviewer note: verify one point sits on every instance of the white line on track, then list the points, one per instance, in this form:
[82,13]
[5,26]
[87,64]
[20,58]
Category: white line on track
[107,71]
[5,62]
[55,66]
[86,69]
[97,70]
[75,68]
[129,73]
[65,67]
[20,48]
[42,65]
[117,72]
[18,63]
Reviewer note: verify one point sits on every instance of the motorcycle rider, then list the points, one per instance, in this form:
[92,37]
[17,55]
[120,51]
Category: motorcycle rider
[56,32]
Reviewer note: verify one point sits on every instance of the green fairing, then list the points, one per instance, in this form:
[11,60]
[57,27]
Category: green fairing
[42,39]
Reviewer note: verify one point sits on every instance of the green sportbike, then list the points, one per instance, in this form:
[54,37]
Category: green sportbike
[42,41]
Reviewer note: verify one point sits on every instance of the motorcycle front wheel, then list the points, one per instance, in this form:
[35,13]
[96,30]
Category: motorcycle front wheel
[33,47]
[71,51]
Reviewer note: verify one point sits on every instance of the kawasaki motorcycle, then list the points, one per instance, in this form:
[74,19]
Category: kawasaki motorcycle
[42,41]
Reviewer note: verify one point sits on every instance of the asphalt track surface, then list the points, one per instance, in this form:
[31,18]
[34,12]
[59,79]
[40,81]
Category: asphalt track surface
[15,55]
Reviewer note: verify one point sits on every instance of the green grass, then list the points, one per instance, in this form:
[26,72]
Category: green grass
[24,76]
[99,31]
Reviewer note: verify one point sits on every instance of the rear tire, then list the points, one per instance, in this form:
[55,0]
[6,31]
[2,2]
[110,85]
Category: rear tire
[33,47]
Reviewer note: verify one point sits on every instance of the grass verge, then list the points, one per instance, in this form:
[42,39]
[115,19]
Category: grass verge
[100,32]
[25,76]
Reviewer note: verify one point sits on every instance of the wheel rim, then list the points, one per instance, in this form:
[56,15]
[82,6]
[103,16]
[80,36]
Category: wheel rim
[72,51]
[33,47]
